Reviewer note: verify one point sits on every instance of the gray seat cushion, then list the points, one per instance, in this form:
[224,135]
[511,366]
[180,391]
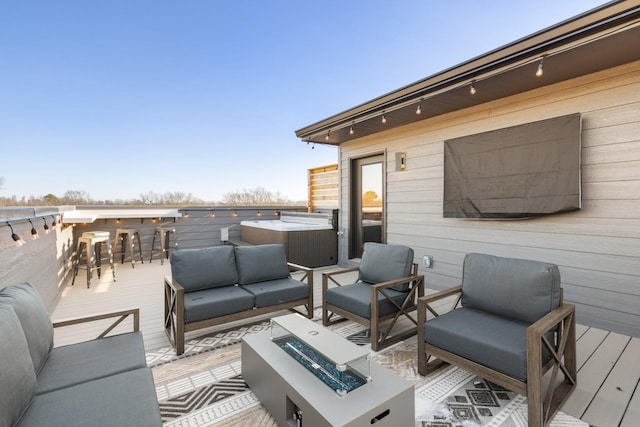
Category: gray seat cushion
[356,299]
[518,289]
[382,263]
[204,268]
[261,263]
[277,291]
[17,377]
[216,302]
[34,318]
[483,337]
[126,399]
[78,363]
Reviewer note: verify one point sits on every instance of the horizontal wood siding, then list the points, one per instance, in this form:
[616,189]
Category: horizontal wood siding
[597,248]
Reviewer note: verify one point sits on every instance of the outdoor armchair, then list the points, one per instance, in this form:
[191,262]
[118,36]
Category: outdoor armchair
[386,291]
[508,325]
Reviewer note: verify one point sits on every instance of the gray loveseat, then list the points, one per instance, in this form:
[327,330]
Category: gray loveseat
[103,382]
[220,284]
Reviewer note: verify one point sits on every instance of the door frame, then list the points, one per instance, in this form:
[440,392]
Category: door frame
[355,202]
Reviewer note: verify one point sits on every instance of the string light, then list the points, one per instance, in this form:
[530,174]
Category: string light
[54,224]
[472,89]
[34,232]
[16,238]
[540,70]
[384,118]
[351,129]
[46,226]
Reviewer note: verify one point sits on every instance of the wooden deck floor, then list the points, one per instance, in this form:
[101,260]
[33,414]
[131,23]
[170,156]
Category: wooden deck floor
[608,392]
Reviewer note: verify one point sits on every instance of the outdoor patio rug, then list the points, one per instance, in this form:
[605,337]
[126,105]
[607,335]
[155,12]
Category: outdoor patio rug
[204,386]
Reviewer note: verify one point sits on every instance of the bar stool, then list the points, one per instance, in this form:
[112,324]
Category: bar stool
[124,235]
[164,235]
[91,243]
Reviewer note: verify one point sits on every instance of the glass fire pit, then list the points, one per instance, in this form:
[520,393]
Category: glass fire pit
[337,362]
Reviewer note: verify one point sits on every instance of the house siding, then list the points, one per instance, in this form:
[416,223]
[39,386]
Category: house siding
[597,248]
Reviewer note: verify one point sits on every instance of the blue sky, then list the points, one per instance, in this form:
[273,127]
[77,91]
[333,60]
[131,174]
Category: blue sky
[118,98]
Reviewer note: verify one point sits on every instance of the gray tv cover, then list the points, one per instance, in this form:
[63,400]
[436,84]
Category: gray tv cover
[517,172]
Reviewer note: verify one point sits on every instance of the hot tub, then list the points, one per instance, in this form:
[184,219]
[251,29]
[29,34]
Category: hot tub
[309,239]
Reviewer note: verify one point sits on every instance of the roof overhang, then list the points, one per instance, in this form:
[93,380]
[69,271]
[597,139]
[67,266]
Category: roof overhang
[596,40]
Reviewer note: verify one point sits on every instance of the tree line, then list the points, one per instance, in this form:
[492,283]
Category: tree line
[245,197]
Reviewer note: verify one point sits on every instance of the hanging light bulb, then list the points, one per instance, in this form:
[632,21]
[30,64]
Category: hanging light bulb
[34,232]
[46,226]
[326,138]
[419,109]
[384,118]
[540,70]
[54,223]
[472,89]
[16,238]
[351,128]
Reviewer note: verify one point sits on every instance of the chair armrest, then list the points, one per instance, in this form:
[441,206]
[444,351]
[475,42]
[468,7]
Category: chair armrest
[440,295]
[563,357]
[329,275]
[424,303]
[298,267]
[551,319]
[340,271]
[308,273]
[396,282]
[121,315]
[174,284]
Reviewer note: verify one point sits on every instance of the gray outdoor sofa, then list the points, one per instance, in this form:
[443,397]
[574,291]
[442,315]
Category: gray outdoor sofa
[220,284]
[103,382]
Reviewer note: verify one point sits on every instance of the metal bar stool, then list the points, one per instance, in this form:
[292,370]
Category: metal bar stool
[91,244]
[164,235]
[124,235]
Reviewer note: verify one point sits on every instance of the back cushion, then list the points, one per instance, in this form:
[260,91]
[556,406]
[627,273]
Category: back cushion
[261,263]
[34,319]
[382,262]
[17,377]
[204,268]
[518,289]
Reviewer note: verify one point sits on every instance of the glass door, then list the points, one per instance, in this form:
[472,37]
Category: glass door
[367,203]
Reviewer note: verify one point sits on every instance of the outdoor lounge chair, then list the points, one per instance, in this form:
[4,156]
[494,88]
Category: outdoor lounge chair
[511,328]
[386,291]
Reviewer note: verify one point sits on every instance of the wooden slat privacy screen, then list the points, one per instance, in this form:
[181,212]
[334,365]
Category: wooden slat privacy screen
[323,187]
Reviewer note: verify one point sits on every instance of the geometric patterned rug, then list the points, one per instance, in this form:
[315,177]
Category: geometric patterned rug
[204,386]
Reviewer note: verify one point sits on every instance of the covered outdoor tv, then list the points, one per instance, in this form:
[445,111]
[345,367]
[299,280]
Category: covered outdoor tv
[523,171]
